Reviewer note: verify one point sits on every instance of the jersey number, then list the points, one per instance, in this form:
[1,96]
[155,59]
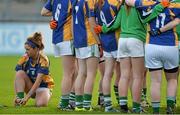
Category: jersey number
[76,9]
[103,19]
[160,20]
[57,13]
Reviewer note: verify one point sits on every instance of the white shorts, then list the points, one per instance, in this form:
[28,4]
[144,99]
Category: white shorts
[130,47]
[157,56]
[86,52]
[118,59]
[42,89]
[63,48]
[112,54]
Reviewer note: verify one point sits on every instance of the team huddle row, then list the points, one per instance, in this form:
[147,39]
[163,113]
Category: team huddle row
[122,35]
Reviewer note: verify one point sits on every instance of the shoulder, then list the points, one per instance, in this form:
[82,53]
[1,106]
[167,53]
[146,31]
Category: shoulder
[174,5]
[91,3]
[140,3]
[114,2]
[23,59]
[43,60]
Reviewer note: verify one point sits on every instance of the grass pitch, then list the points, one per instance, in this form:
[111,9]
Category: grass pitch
[7,74]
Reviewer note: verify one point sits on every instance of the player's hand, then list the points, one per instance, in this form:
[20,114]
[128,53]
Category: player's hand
[23,101]
[165,3]
[53,24]
[17,101]
[155,32]
[98,29]
[100,50]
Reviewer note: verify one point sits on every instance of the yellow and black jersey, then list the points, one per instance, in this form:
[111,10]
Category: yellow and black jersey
[32,70]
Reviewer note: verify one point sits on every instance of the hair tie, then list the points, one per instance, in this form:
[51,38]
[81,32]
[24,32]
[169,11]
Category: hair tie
[32,44]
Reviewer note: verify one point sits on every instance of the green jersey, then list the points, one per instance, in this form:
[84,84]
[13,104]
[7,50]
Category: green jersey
[129,23]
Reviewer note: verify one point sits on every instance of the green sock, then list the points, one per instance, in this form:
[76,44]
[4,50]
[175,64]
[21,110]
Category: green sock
[171,101]
[87,101]
[79,101]
[64,101]
[107,102]
[136,107]
[116,93]
[20,95]
[123,101]
[72,97]
[155,107]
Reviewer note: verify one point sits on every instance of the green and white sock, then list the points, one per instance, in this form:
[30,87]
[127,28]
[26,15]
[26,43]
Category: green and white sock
[87,101]
[136,107]
[155,107]
[107,102]
[171,101]
[79,101]
[116,93]
[123,103]
[64,101]
[20,95]
[72,98]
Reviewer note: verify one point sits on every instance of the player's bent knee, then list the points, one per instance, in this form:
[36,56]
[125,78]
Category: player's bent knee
[20,74]
[41,104]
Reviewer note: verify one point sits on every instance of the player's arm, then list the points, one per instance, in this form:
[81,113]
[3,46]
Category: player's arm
[104,29]
[165,28]
[116,25]
[33,89]
[46,12]
[47,9]
[140,3]
[155,12]
[91,18]
[92,25]
[170,25]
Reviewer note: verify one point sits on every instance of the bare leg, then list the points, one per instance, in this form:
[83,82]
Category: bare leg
[42,97]
[79,83]
[92,64]
[125,66]
[68,72]
[156,78]
[101,97]
[137,73]
[22,82]
[109,67]
[118,75]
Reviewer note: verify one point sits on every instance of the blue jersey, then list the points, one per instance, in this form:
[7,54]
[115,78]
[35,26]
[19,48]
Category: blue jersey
[168,38]
[32,70]
[83,36]
[105,15]
[61,11]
